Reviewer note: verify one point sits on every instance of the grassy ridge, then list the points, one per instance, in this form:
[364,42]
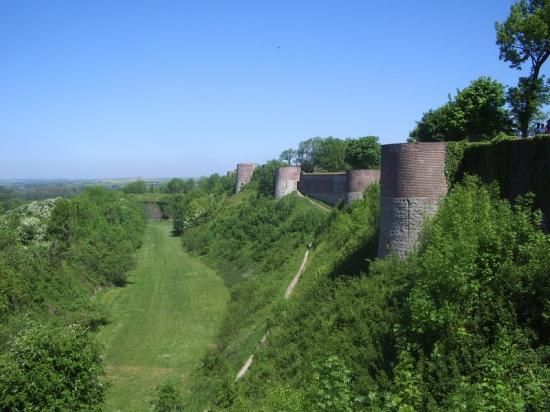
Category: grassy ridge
[162,322]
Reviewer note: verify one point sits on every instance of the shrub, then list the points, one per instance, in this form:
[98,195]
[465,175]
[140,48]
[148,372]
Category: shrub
[52,368]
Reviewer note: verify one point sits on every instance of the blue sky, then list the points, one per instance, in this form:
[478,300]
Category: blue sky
[186,88]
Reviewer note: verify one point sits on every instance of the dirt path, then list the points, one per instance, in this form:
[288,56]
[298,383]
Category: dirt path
[288,293]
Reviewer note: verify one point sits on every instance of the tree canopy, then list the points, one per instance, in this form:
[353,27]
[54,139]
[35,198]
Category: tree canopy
[477,112]
[525,37]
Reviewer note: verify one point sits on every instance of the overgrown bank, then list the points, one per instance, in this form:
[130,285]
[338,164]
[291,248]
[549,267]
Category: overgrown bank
[54,256]
[461,324]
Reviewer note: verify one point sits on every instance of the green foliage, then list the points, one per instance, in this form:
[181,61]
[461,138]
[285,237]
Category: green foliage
[52,368]
[526,99]
[477,113]
[264,177]
[363,153]
[462,324]
[330,155]
[137,187]
[525,36]
[287,156]
[176,185]
[169,397]
[331,386]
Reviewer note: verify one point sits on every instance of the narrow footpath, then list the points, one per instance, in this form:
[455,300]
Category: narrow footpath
[162,322]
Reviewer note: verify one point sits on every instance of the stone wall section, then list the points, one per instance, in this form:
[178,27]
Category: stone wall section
[244,175]
[358,180]
[412,182]
[286,181]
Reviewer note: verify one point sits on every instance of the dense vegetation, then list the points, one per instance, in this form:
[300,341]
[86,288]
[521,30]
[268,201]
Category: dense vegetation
[460,325]
[332,154]
[53,255]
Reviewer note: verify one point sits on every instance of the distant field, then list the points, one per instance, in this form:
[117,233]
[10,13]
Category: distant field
[163,321]
[150,197]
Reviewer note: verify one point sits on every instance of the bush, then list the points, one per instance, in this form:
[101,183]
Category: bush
[169,397]
[52,368]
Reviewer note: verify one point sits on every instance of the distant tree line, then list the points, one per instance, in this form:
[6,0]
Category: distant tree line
[332,154]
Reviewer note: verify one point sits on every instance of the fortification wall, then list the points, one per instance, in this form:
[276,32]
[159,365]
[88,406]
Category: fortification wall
[244,175]
[519,167]
[286,181]
[358,180]
[327,187]
[412,181]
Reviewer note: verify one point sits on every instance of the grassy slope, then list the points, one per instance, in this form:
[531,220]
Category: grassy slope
[162,322]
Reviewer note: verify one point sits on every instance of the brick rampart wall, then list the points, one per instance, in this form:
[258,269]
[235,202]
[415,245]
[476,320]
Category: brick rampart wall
[411,183]
[357,181]
[519,167]
[244,175]
[286,181]
[327,187]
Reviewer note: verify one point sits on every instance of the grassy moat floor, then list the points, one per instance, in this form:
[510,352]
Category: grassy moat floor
[161,323]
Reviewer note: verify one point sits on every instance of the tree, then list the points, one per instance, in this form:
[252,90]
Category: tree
[363,153]
[330,154]
[525,36]
[137,187]
[476,113]
[288,155]
[175,185]
[52,368]
[305,155]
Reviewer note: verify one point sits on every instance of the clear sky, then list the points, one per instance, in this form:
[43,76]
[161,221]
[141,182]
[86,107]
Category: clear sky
[93,89]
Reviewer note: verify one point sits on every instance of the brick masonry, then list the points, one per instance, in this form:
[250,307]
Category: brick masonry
[286,181]
[327,187]
[357,181]
[412,182]
[244,175]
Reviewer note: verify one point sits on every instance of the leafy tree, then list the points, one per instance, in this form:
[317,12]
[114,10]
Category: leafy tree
[330,155]
[363,153]
[525,36]
[52,368]
[288,155]
[137,187]
[477,112]
[175,185]
[306,153]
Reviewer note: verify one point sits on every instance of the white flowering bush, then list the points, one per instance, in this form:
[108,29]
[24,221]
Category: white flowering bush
[31,220]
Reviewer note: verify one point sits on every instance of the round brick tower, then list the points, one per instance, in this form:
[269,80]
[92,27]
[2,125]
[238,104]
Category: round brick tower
[286,181]
[358,180]
[244,174]
[411,184]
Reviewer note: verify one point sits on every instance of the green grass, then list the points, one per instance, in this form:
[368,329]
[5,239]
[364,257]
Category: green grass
[162,322]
